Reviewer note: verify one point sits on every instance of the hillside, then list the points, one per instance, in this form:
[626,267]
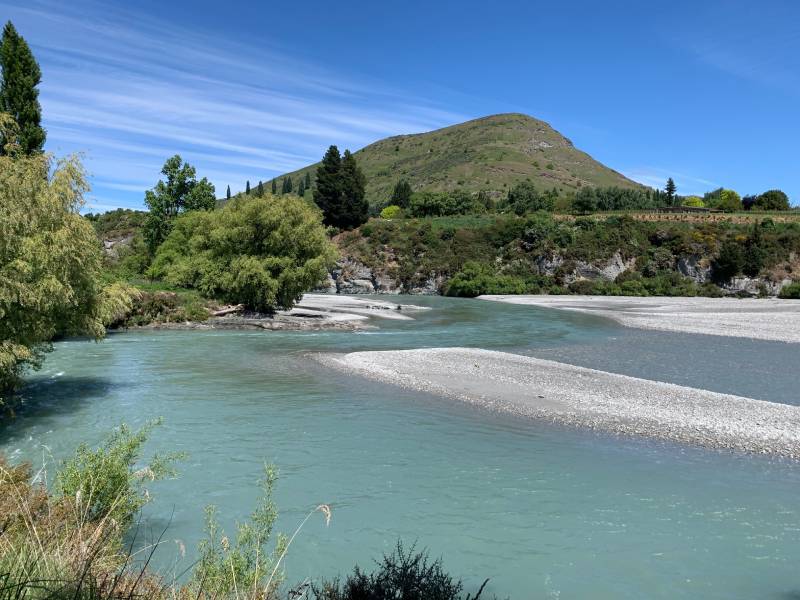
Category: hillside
[491,153]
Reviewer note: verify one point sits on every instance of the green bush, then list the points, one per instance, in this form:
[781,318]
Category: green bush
[476,279]
[263,252]
[791,291]
[391,212]
[104,482]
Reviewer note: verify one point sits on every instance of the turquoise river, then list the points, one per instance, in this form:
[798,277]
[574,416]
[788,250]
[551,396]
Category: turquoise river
[543,511]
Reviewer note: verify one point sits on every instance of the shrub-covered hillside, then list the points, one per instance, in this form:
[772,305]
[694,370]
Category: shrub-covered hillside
[537,253]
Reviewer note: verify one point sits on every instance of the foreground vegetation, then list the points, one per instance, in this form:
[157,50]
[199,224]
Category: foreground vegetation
[70,541]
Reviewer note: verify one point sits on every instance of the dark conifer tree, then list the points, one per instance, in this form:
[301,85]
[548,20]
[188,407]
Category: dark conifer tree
[301,188]
[274,187]
[401,196]
[355,208]
[327,192]
[18,94]
[260,189]
[228,193]
[670,189]
[287,185]
[247,188]
[308,180]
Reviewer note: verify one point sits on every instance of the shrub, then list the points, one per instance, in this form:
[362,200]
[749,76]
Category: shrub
[476,279]
[791,291]
[103,482]
[729,262]
[260,252]
[391,212]
[402,575]
[693,201]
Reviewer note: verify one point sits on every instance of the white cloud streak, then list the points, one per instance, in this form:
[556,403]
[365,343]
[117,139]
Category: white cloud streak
[131,91]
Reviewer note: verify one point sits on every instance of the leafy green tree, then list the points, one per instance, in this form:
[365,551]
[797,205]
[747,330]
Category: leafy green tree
[247,188]
[772,200]
[18,94]
[585,201]
[340,190]
[50,259]
[729,201]
[260,252]
[401,195]
[260,189]
[180,193]
[274,187]
[693,201]
[670,190]
[228,193]
[524,198]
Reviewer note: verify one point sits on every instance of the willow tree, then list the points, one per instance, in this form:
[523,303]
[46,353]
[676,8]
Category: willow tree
[50,258]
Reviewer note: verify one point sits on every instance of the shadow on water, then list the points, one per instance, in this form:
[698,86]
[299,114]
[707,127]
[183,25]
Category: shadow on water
[52,396]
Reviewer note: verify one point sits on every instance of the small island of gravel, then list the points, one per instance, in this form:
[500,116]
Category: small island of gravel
[578,396]
[762,318]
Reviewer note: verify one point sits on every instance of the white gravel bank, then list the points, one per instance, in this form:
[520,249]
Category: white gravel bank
[341,308]
[764,319]
[585,397]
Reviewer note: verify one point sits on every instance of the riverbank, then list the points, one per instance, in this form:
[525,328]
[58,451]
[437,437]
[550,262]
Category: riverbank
[761,319]
[314,312]
[578,396]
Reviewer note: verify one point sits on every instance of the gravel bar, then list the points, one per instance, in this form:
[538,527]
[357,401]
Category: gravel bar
[578,396]
[760,319]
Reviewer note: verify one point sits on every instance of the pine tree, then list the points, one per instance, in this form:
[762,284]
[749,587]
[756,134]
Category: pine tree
[287,185]
[355,209]
[247,188]
[301,188]
[228,193]
[18,94]
[327,192]
[260,189]
[401,196]
[670,189]
[308,180]
[274,187]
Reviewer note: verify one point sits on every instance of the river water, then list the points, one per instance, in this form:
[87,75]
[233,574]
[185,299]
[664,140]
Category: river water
[543,511]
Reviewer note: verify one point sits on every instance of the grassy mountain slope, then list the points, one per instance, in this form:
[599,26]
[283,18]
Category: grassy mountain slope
[491,153]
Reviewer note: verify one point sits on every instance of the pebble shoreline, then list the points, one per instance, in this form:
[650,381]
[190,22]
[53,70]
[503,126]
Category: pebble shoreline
[582,397]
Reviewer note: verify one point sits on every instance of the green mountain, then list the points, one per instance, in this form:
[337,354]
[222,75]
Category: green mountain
[492,153]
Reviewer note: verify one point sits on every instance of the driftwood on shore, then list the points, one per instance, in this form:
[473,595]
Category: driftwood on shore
[227,310]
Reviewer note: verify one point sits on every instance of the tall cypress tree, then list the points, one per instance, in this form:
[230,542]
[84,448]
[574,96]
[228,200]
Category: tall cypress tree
[301,188]
[308,180]
[228,193]
[287,185]
[274,187]
[247,188]
[328,191]
[401,196]
[260,189]
[355,209]
[18,94]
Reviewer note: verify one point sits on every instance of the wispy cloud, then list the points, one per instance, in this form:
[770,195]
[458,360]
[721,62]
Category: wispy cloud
[657,177]
[131,91]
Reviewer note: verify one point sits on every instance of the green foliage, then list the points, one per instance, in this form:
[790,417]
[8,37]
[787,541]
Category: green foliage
[693,201]
[245,564]
[116,222]
[525,198]
[260,189]
[340,190]
[401,195]
[105,483]
[228,193]
[261,252]
[772,200]
[730,260]
[247,187]
[670,190]
[476,279]
[791,291]
[590,199]
[50,260]
[402,575]
[274,187]
[391,212]
[179,194]
[438,204]
[19,97]
[724,200]
[301,188]
[287,186]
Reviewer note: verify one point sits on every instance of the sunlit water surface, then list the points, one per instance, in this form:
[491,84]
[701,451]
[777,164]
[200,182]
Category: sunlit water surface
[544,511]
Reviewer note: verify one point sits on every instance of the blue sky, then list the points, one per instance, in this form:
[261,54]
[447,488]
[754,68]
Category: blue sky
[706,92]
